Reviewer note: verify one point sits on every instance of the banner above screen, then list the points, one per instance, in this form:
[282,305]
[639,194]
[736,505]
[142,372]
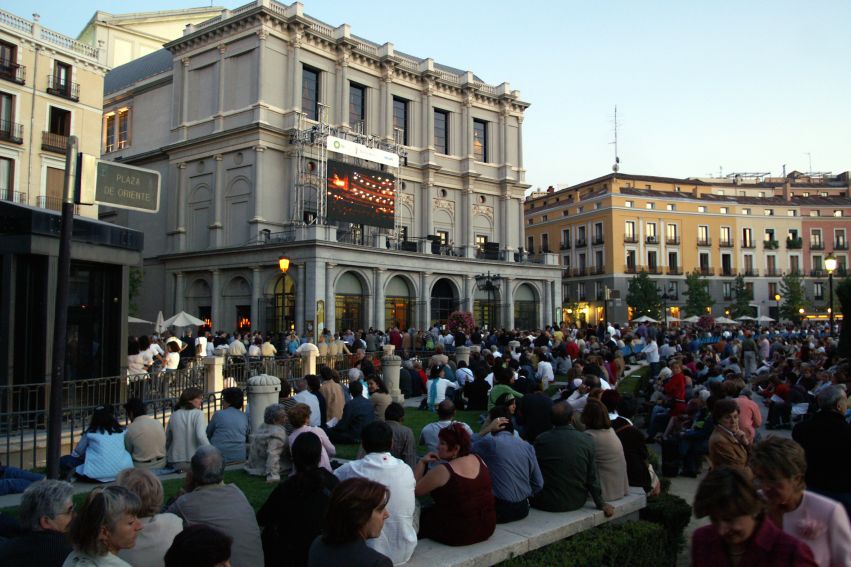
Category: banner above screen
[354,149]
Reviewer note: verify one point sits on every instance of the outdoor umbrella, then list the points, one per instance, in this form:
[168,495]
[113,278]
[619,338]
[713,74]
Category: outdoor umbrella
[159,327]
[725,321]
[745,318]
[765,319]
[182,319]
[645,319]
[692,319]
[137,320]
[672,319]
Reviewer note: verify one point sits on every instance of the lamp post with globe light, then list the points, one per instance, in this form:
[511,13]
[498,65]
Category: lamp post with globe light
[830,266]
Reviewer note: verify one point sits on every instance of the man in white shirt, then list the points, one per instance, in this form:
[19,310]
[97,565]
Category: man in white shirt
[651,351]
[398,537]
[304,396]
[445,418]
[236,348]
[201,345]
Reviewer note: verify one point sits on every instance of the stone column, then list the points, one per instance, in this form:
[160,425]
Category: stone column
[255,298]
[294,54]
[466,126]
[308,352]
[387,105]
[378,294]
[469,294]
[425,294]
[220,107]
[262,34]
[428,206]
[507,297]
[180,229]
[330,297]
[502,224]
[218,203]
[214,380]
[263,391]
[428,115]
[390,365]
[301,294]
[184,96]
[462,353]
[504,109]
[179,292]
[468,234]
[216,299]
[343,87]
[546,296]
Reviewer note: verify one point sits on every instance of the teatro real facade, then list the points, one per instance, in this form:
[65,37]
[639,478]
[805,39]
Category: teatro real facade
[236,116]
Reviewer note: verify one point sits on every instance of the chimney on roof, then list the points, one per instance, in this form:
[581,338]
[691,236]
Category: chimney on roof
[787,189]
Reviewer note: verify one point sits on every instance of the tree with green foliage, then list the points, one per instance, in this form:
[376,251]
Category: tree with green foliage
[697,294]
[643,297]
[793,297]
[742,298]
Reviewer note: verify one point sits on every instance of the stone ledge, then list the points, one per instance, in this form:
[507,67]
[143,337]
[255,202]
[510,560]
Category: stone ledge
[536,530]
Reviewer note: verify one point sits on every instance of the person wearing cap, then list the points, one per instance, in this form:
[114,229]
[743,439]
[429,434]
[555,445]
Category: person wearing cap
[503,378]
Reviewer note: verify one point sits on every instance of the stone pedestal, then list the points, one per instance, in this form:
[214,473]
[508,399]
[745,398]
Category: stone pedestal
[308,352]
[213,374]
[263,391]
[462,353]
[389,350]
[390,366]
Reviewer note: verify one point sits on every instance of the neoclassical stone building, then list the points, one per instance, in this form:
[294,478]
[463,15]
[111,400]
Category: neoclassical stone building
[236,115]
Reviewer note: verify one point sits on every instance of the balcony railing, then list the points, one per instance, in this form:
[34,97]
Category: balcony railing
[597,270]
[840,245]
[794,243]
[675,271]
[817,273]
[630,239]
[580,242]
[580,271]
[727,272]
[565,245]
[816,245]
[11,132]
[704,242]
[13,196]
[772,272]
[748,243]
[598,240]
[13,72]
[771,244]
[51,142]
[65,89]
[630,269]
[795,271]
[652,240]
[655,270]
[841,272]
[672,241]
[750,272]
[725,243]
[706,271]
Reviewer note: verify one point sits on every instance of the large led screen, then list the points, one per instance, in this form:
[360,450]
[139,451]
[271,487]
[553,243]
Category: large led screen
[360,196]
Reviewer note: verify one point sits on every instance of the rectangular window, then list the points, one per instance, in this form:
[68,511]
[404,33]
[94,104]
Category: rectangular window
[837,213]
[441,131]
[531,244]
[818,291]
[565,238]
[671,234]
[728,290]
[670,207]
[768,212]
[310,92]
[794,265]
[701,209]
[748,259]
[59,121]
[7,178]
[746,211]
[726,265]
[480,140]
[629,231]
[726,236]
[673,262]
[814,213]
[545,243]
[652,261]
[443,237]
[598,233]
[8,56]
[400,120]
[482,240]
[817,264]
[580,236]
[598,260]
[815,239]
[650,206]
[123,128]
[839,239]
[791,213]
[630,261]
[704,260]
[724,210]
[747,238]
[357,107]
[652,236]
[580,291]
[772,290]
[109,126]
[629,204]
[703,235]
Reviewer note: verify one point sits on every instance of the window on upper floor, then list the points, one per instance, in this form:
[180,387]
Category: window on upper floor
[310,92]
[7,179]
[443,237]
[357,107]
[701,209]
[441,131]
[400,120]
[670,207]
[650,205]
[530,244]
[724,210]
[481,240]
[815,213]
[746,211]
[837,213]
[480,141]
[629,204]
[768,212]
[60,82]
[116,130]
[9,68]
[791,213]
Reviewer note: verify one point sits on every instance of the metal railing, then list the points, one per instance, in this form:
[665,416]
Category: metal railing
[11,132]
[13,72]
[630,239]
[240,368]
[704,242]
[14,196]
[725,243]
[64,88]
[51,142]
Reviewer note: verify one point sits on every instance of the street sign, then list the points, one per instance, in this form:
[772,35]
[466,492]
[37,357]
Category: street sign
[118,185]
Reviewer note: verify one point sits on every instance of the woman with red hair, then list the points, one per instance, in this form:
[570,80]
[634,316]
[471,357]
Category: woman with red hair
[464,511]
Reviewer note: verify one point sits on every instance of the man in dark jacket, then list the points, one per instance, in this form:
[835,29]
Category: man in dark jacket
[826,439]
[46,511]
[356,414]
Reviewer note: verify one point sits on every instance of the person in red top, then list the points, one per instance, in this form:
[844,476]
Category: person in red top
[740,533]
[675,389]
[572,349]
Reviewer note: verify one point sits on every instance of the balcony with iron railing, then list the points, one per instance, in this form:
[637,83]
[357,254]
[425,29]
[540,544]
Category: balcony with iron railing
[672,240]
[598,240]
[630,239]
[771,244]
[654,270]
[630,269]
[580,242]
[706,271]
[51,142]
[794,243]
[66,89]
[11,132]
[725,243]
[565,245]
[597,270]
[841,271]
[816,245]
[704,241]
[750,272]
[13,196]
[840,245]
[652,240]
[675,271]
[747,243]
[772,272]
[727,271]
[13,72]
[817,273]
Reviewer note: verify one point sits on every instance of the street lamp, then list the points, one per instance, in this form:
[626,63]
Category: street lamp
[830,266]
[489,283]
[777,299]
[665,295]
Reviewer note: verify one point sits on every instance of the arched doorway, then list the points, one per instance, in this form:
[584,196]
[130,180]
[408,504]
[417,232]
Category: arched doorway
[525,308]
[398,304]
[444,300]
[199,301]
[350,303]
[283,319]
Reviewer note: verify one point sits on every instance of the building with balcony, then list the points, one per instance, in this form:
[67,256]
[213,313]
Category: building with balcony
[51,87]
[245,114]
[760,229]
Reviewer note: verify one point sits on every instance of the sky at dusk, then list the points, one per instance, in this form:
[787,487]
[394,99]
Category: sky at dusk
[700,87]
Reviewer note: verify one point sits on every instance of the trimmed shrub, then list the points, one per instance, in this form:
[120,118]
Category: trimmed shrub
[637,544]
[673,514]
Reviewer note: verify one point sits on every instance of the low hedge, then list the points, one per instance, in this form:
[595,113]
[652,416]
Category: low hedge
[637,544]
[673,514]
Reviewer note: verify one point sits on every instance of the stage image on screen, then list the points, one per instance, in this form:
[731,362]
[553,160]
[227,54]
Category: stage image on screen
[360,196]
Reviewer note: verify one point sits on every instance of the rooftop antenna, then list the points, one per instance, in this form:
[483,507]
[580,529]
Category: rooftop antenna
[616,166]
[810,157]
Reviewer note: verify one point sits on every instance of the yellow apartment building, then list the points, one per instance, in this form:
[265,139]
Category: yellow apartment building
[51,87]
